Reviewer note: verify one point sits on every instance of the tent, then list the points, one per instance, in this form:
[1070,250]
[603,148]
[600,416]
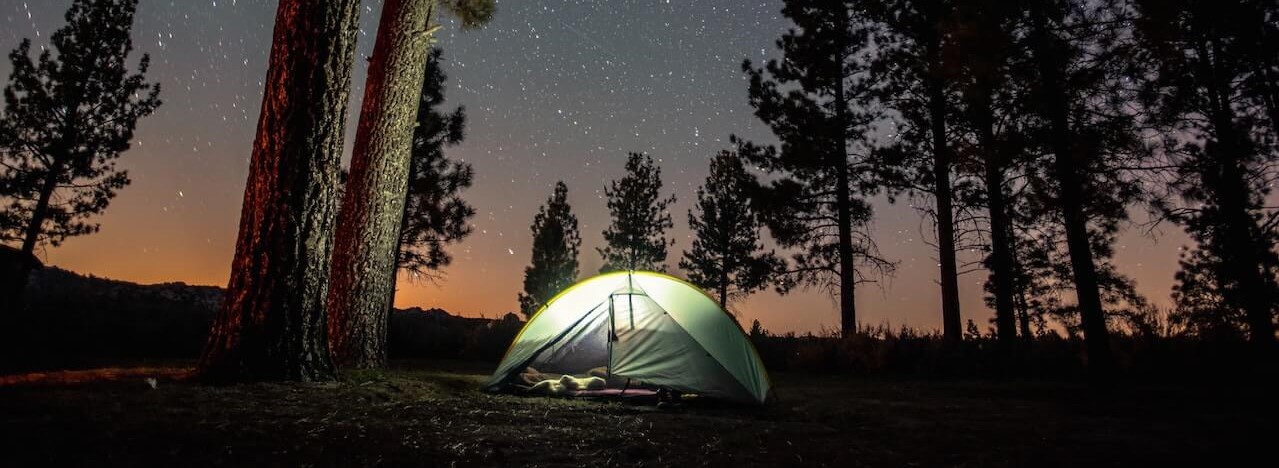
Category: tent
[635,329]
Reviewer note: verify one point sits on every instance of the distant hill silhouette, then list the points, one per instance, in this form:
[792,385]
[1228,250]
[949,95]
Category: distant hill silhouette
[54,286]
[70,315]
[434,333]
[72,318]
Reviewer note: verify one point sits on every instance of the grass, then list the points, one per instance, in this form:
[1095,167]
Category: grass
[432,414]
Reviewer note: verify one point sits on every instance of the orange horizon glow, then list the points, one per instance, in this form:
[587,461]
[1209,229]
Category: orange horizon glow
[485,277]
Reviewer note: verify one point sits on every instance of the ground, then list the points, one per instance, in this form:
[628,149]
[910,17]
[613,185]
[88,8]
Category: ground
[432,413]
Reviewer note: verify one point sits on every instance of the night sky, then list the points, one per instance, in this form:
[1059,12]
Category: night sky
[553,90]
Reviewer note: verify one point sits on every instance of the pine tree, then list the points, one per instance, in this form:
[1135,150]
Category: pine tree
[636,239]
[272,325]
[984,42]
[435,215]
[67,119]
[1075,94]
[1210,62]
[1262,38]
[369,224]
[914,57]
[726,257]
[556,242]
[1200,306]
[815,102]
[1044,276]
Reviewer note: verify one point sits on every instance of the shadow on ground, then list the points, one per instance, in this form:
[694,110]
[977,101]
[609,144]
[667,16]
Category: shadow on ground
[432,413]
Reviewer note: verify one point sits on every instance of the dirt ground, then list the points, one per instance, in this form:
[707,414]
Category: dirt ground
[432,414]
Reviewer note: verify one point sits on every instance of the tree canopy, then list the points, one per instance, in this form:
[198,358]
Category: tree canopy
[636,238]
[556,242]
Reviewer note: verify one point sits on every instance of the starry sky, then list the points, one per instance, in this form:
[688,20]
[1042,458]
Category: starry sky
[554,90]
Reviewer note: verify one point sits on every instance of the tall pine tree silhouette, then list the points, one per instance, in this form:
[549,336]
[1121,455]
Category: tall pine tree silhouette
[914,59]
[1075,92]
[68,116]
[984,41]
[1211,72]
[814,101]
[726,257]
[556,242]
[636,239]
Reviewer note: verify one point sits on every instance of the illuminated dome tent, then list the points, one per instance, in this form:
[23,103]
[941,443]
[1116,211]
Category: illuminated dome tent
[626,330]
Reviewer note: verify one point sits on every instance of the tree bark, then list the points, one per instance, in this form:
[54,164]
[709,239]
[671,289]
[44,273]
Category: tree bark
[723,282]
[1070,200]
[952,330]
[1241,259]
[1087,288]
[1225,181]
[41,211]
[1020,304]
[1001,264]
[847,269]
[368,236]
[1023,322]
[843,208]
[18,283]
[272,326]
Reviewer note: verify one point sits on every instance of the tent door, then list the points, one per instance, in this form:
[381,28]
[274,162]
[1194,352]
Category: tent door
[613,312]
[613,332]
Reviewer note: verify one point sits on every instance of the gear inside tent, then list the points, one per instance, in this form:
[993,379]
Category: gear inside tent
[631,333]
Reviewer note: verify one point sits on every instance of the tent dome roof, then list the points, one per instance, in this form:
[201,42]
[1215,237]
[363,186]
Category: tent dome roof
[664,331]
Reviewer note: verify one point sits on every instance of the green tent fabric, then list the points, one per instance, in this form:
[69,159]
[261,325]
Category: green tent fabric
[667,333]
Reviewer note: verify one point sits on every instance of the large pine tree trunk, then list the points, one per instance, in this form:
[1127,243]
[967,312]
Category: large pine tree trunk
[1241,257]
[272,326]
[368,237]
[17,285]
[847,268]
[1020,303]
[723,283]
[844,211]
[40,213]
[1000,261]
[1082,264]
[1070,196]
[951,327]
[1023,323]
[1242,248]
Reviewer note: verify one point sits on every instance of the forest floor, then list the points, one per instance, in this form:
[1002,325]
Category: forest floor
[432,413]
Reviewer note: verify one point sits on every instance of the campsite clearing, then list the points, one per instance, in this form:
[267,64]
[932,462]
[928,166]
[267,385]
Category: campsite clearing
[432,413]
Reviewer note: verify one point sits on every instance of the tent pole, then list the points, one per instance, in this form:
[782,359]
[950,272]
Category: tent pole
[630,296]
[611,335]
